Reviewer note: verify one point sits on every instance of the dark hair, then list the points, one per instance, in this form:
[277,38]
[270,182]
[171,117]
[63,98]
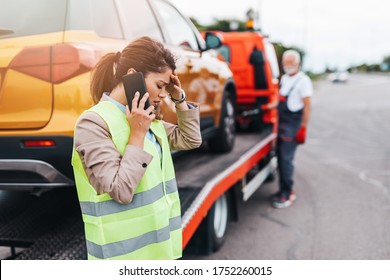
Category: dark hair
[144,55]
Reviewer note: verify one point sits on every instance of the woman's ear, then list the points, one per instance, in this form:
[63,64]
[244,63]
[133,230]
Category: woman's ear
[131,71]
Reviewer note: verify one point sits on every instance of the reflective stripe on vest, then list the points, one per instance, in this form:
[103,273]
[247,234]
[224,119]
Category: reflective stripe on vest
[132,244]
[140,199]
[150,226]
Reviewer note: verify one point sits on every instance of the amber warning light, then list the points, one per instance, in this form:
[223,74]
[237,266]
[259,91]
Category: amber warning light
[38,143]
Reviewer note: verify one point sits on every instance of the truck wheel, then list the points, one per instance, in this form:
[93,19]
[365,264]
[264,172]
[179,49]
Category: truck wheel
[220,221]
[211,233]
[224,140]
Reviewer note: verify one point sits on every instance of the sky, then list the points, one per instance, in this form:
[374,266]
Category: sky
[334,33]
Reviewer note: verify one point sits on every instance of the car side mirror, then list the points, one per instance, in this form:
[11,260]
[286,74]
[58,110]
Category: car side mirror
[213,41]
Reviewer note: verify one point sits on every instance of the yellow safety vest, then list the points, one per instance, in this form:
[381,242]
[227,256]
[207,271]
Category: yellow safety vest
[150,226]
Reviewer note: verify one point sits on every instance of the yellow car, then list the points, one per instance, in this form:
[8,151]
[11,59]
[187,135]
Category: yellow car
[47,51]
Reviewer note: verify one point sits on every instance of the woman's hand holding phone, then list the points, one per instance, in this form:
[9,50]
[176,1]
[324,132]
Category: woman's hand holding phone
[139,119]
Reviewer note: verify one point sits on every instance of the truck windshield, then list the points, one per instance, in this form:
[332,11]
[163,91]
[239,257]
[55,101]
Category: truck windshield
[26,17]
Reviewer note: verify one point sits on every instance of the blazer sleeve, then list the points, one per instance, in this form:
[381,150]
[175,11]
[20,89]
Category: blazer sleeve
[186,134]
[107,170]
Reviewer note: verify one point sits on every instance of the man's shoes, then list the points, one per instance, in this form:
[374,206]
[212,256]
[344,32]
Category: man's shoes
[283,200]
[275,196]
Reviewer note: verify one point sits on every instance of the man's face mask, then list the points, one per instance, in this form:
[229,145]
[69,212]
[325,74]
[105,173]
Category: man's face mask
[290,70]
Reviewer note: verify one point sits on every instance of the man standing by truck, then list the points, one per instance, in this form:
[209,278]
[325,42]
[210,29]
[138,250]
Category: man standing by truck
[294,111]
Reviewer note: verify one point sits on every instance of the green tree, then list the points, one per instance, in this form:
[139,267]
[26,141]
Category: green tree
[374,68]
[362,67]
[220,25]
[197,24]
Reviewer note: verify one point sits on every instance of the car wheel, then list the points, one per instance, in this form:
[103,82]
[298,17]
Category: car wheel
[225,138]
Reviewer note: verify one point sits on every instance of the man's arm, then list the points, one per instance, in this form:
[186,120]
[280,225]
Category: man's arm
[306,111]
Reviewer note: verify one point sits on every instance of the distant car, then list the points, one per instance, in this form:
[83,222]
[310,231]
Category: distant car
[338,77]
[47,51]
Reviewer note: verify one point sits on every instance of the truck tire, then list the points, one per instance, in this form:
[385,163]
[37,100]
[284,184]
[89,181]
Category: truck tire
[224,140]
[211,233]
[220,216]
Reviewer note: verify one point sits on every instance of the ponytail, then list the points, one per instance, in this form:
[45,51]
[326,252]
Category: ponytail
[103,78]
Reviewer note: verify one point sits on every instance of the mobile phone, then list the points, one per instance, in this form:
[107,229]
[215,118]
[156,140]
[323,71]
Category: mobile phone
[132,83]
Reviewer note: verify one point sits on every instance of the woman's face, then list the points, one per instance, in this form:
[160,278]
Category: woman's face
[156,84]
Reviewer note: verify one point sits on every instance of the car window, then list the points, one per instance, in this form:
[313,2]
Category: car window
[100,16]
[273,60]
[179,31]
[26,17]
[225,52]
[138,19]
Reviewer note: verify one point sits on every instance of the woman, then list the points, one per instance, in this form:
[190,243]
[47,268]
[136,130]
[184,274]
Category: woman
[121,159]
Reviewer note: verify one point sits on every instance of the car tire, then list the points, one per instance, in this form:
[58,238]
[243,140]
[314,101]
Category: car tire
[224,140]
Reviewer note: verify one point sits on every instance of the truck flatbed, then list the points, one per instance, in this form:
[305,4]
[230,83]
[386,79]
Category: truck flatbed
[50,226]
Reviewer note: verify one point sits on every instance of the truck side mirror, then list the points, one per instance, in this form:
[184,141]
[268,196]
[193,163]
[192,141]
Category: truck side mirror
[213,41]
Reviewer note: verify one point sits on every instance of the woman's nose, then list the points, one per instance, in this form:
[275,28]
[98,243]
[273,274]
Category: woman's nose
[163,93]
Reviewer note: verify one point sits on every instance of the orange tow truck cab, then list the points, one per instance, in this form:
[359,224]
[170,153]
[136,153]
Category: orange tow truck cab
[255,67]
